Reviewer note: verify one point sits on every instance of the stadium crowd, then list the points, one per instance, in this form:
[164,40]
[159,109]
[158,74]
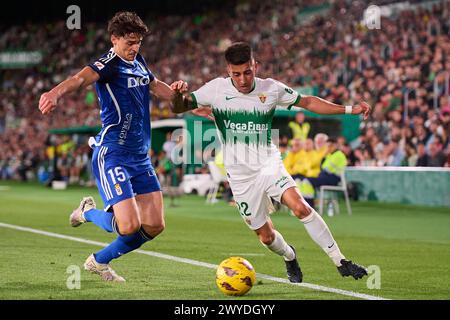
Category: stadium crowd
[396,68]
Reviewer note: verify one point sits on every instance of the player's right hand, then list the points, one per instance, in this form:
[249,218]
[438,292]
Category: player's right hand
[362,107]
[179,86]
[47,102]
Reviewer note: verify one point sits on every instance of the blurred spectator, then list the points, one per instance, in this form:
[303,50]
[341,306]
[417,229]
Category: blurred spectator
[164,168]
[300,129]
[169,144]
[436,157]
[411,156]
[395,153]
[422,160]
[295,161]
[447,161]
[330,174]
[316,152]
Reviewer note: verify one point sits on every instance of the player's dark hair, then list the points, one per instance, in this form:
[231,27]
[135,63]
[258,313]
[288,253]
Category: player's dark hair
[125,22]
[238,53]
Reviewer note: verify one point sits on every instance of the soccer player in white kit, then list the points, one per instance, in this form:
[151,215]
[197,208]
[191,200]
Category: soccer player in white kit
[243,107]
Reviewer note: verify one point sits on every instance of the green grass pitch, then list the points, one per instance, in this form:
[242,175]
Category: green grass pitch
[410,245]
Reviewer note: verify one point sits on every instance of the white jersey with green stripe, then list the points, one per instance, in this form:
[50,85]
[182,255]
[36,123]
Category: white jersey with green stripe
[244,122]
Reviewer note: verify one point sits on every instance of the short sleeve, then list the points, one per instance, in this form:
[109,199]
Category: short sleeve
[206,94]
[287,97]
[105,67]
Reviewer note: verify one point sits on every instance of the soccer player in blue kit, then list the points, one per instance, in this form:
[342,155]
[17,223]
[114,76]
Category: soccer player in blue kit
[124,175]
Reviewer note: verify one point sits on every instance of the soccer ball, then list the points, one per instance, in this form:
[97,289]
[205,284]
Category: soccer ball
[235,276]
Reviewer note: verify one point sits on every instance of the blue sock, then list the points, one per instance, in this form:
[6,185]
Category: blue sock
[122,245]
[103,219]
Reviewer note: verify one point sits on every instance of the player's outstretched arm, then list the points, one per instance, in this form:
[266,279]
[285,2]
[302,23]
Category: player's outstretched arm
[162,90]
[49,100]
[174,93]
[321,106]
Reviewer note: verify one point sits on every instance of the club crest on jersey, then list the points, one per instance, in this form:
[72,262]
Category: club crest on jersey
[262,97]
[118,189]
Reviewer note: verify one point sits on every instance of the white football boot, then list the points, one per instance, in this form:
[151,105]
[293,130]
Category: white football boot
[103,270]
[77,217]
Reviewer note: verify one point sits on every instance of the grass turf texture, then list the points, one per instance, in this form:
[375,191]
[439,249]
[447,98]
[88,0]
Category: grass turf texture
[410,244]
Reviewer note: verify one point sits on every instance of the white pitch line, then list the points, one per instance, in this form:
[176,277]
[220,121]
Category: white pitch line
[196,263]
[240,254]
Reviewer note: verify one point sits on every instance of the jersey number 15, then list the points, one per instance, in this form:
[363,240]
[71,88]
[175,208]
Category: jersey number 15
[117,173]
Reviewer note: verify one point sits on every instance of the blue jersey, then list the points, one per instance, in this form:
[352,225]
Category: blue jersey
[124,95]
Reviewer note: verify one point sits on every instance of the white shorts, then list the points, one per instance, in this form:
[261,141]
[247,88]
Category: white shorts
[253,196]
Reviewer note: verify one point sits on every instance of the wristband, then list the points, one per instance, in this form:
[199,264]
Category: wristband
[348,109]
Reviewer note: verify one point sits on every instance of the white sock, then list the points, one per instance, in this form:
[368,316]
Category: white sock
[280,247]
[319,232]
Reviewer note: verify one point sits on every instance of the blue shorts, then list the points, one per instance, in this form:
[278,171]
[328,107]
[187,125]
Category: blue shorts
[122,175]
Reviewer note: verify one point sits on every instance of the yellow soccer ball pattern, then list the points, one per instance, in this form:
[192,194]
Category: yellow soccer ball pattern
[235,276]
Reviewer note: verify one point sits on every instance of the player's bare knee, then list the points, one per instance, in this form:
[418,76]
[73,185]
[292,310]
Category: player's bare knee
[129,228]
[267,237]
[158,229]
[301,210]
[155,229]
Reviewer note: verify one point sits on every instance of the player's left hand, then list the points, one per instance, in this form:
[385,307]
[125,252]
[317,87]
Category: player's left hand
[179,86]
[362,107]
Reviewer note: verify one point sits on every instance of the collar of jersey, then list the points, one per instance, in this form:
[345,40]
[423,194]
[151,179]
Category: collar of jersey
[126,61]
[253,87]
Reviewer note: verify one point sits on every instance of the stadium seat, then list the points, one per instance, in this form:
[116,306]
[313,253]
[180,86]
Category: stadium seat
[218,178]
[342,187]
